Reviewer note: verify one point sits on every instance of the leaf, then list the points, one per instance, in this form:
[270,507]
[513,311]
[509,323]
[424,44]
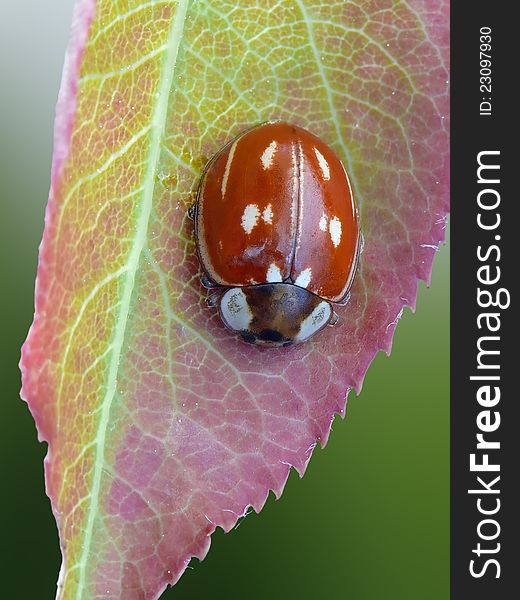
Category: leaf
[161,426]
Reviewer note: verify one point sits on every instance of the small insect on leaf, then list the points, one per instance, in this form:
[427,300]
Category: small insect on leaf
[161,423]
[286,258]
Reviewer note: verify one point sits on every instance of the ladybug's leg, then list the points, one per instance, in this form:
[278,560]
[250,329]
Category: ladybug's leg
[191,211]
[207,282]
[333,319]
[212,299]
[344,300]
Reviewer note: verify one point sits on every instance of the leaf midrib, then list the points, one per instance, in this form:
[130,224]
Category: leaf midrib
[158,122]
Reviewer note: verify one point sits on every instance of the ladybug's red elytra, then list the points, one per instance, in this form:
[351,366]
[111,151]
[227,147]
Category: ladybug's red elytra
[277,233]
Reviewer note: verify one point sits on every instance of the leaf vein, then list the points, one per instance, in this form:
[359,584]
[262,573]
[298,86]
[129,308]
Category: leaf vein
[157,127]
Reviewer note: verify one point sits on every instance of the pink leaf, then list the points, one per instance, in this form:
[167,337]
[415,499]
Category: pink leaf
[161,425]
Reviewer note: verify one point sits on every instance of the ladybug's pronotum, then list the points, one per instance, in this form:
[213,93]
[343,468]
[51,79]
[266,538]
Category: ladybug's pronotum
[277,234]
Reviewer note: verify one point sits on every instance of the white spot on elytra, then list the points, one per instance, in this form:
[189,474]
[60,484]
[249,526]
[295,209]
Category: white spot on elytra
[324,165]
[323,222]
[274,274]
[335,231]
[250,217]
[228,167]
[268,155]
[267,215]
[300,198]
[294,203]
[304,278]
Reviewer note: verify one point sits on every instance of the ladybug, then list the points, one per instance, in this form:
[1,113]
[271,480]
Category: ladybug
[277,233]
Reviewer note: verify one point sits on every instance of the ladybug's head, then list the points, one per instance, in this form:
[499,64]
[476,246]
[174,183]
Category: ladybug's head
[274,314]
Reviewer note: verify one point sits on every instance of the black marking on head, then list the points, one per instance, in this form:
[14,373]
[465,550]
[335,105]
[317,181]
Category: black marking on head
[270,335]
[248,337]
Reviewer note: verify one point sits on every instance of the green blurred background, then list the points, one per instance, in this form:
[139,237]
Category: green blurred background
[370,520]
